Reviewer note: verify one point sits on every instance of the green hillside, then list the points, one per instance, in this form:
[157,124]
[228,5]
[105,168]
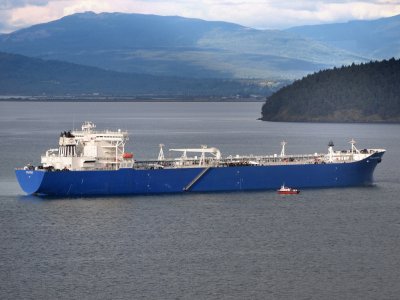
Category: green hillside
[21,75]
[358,93]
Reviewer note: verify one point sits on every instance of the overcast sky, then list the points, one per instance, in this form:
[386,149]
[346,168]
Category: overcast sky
[262,14]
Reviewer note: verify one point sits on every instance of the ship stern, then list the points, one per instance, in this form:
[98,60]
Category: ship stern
[30,180]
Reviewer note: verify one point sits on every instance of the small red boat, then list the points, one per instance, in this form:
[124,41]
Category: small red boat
[284,190]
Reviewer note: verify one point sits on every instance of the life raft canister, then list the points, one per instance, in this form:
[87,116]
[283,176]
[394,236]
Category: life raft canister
[127,155]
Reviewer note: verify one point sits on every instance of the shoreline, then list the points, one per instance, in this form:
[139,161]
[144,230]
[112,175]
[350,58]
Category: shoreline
[129,99]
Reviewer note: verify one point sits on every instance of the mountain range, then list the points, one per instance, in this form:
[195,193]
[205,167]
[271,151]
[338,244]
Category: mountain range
[376,39]
[175,46]
[141,54]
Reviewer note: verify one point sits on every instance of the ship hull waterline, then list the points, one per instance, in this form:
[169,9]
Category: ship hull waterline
[182,180]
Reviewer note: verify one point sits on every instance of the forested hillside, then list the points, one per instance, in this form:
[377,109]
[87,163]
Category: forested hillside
[27,76]
[358,93]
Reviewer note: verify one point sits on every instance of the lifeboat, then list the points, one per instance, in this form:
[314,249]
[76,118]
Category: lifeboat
[284,190]
[127,155]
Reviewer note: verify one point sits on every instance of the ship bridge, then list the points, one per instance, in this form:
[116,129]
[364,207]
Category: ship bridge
[88,149]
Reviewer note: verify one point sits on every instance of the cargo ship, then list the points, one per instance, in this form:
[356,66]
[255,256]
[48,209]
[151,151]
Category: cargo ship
[90,162]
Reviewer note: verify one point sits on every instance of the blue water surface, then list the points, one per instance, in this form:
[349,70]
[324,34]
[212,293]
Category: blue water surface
[322,244]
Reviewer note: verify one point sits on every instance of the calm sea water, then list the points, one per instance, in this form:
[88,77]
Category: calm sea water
[321,244]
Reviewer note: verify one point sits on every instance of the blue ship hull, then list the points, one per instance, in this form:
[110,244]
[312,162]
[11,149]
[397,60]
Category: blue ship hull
[180,180]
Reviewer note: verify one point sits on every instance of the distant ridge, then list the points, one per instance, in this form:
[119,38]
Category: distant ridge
[375,39]
[357,93]
[21,75]
[174,46]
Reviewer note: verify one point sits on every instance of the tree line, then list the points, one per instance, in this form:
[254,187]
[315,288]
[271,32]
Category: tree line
[367,92]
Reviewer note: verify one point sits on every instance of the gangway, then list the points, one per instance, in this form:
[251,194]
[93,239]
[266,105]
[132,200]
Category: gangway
[197,178]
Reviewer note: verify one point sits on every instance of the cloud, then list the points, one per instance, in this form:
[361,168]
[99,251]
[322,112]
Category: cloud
[10,4]
[283,14]
[252,13]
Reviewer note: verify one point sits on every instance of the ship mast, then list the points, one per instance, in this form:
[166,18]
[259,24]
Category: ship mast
[161,153]
[283,143]
[353,147]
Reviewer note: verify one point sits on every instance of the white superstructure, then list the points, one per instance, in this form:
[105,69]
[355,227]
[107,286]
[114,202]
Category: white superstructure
[88,149]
